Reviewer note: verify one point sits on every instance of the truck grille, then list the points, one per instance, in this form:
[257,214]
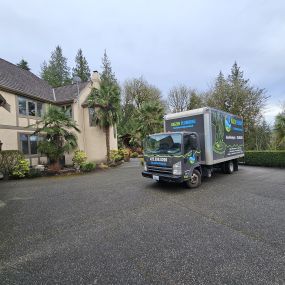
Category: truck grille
[160,169]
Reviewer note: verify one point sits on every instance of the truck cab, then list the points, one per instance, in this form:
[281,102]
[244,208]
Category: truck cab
[173,157]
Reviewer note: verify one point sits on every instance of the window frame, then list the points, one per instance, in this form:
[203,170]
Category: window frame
[35,102]
[90,116]
[29,154]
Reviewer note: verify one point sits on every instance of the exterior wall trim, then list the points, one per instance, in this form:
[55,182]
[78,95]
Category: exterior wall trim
[9,127]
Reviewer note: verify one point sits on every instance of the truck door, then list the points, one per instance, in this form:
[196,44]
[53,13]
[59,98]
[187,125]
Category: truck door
[192,151]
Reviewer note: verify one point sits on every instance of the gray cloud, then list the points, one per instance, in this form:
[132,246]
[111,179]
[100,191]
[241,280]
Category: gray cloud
[168,42]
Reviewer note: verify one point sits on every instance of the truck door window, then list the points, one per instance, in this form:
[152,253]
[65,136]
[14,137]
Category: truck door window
[190,143]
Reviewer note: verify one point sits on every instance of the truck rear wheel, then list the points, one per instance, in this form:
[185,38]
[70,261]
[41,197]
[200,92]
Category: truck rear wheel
[195,180]
[229,167]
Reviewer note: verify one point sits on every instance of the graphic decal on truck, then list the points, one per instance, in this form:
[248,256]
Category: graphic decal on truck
[227,135]
[218,134]
[183,124]
[228,124]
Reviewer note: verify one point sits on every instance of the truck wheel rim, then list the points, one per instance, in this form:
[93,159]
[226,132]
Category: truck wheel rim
[194,178]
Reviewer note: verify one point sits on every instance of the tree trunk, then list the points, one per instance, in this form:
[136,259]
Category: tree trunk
[107,131]
[55,166]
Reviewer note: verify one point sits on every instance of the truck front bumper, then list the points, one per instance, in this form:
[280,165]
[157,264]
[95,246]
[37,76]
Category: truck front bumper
[163,177]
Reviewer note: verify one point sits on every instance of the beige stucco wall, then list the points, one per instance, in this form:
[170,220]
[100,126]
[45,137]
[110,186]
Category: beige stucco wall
[9,139]
[8,118]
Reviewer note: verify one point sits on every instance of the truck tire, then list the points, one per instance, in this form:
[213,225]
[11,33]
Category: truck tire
[229,167]
[195,180]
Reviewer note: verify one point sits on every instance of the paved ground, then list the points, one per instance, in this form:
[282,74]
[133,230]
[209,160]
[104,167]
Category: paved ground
[115,227]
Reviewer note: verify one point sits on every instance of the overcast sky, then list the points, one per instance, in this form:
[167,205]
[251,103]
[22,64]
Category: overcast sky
[167,42]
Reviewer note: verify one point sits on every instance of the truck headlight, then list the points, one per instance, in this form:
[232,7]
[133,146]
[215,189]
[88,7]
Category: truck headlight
[144,166]
[177,168]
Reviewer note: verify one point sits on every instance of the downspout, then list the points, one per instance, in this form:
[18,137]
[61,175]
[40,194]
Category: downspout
[54,98]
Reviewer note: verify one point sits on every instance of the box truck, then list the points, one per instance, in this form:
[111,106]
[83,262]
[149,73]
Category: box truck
[192,145]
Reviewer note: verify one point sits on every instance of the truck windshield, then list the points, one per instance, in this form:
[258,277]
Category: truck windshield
[163,144]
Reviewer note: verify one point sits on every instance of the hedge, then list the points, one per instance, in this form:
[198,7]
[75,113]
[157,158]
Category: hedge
[272,158]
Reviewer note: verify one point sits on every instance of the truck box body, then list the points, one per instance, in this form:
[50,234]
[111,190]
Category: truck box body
[221,134]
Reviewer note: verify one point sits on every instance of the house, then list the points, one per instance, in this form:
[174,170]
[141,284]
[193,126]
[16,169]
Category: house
[24,97]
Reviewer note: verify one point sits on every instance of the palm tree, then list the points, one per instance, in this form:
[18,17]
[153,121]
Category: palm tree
[150,118]
[58,138]
[279,129]
[106,100]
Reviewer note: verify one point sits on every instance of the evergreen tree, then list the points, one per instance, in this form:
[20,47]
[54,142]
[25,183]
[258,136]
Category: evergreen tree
[81,69]
[219,98]
[107,74]
[23,64]
[235,95]
[56,72]
[196,101]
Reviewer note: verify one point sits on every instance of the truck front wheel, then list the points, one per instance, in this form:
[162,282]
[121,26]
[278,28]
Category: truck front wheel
[195,180]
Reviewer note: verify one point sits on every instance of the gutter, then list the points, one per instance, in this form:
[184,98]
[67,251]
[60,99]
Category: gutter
[16,92]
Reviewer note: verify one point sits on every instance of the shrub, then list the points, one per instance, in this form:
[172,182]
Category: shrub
[116,155]
[87,166]
[265,158]
[79,158]
[33,173]
[9,159]
[134,154]
[21,169]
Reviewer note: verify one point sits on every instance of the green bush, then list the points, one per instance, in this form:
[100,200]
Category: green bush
[21,169]
[9,159]
[87,166]
[79,158]
[265,158]
[134,154]
[116,155]
[33,173]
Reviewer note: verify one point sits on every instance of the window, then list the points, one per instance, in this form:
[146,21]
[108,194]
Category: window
[22,102]
[30,107]
[68,110]
[190,143]
[24,143]
[29,143]
[33,144]
[91,112]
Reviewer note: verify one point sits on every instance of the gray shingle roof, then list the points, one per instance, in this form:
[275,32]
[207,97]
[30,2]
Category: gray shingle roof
[68,92]
[23,81]
[18,80]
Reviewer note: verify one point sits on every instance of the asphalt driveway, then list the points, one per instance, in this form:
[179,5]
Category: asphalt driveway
[115,227]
